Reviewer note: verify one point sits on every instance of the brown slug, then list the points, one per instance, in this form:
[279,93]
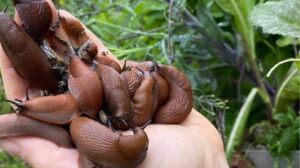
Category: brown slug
[60,109]
[115,92]
[145,66]
[74,30]
[58,46]
[12,125]
[105,60]
[86,86]
[25,55]
[161,86]
[88,51]
[36,16]
[133,79]
[180,100]
[106,148]
[143,101]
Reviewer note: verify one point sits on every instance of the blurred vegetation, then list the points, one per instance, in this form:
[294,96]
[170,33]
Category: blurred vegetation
[216,45]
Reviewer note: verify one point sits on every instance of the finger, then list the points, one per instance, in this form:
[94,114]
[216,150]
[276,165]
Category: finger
[40,153]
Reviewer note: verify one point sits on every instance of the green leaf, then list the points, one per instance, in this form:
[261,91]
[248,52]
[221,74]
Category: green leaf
[148,6]
[280,17]
[240,9]
[288,142]
[239,124]
[282,119]
[289,91]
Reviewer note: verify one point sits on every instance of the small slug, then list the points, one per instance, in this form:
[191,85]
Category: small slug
[161,85]
[25,55]
[145,66]
[60,109]
[74,30]
[133,79]
[143,101]
[58,46]
[88,51]
[180,101]
[86,86]
[12,125]
[108,61]
[115,92]
[144,104]
[106,148]
[36,16]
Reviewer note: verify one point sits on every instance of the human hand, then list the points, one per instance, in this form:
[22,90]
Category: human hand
[193,143]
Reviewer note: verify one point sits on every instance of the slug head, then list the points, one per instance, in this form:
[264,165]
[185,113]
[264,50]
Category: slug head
[120,105]
[134,147]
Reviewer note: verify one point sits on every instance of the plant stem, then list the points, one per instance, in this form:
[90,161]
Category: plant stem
[248,38]
[250,55]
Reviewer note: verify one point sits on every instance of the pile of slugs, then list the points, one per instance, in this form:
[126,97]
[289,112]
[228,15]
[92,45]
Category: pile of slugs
[87,99]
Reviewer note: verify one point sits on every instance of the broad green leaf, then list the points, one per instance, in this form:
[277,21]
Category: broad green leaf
[240,10]
[289,91]
[239,124]
[280,17]
[282,119]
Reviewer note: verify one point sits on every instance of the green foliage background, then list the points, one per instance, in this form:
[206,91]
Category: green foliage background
[212,41]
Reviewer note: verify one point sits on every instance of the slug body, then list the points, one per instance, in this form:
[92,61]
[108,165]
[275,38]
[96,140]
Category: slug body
[133,79]
[74,30]
[17,125]
[104,60]
[85,85]
[27,58]
[115,92]
[180,101]
[162,89]
[106,148]
[60,109]
[36,16]
[143,100]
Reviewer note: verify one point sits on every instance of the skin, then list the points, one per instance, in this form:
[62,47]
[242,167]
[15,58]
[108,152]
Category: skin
[195,141]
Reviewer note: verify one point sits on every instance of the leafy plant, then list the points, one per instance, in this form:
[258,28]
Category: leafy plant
[281,138]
